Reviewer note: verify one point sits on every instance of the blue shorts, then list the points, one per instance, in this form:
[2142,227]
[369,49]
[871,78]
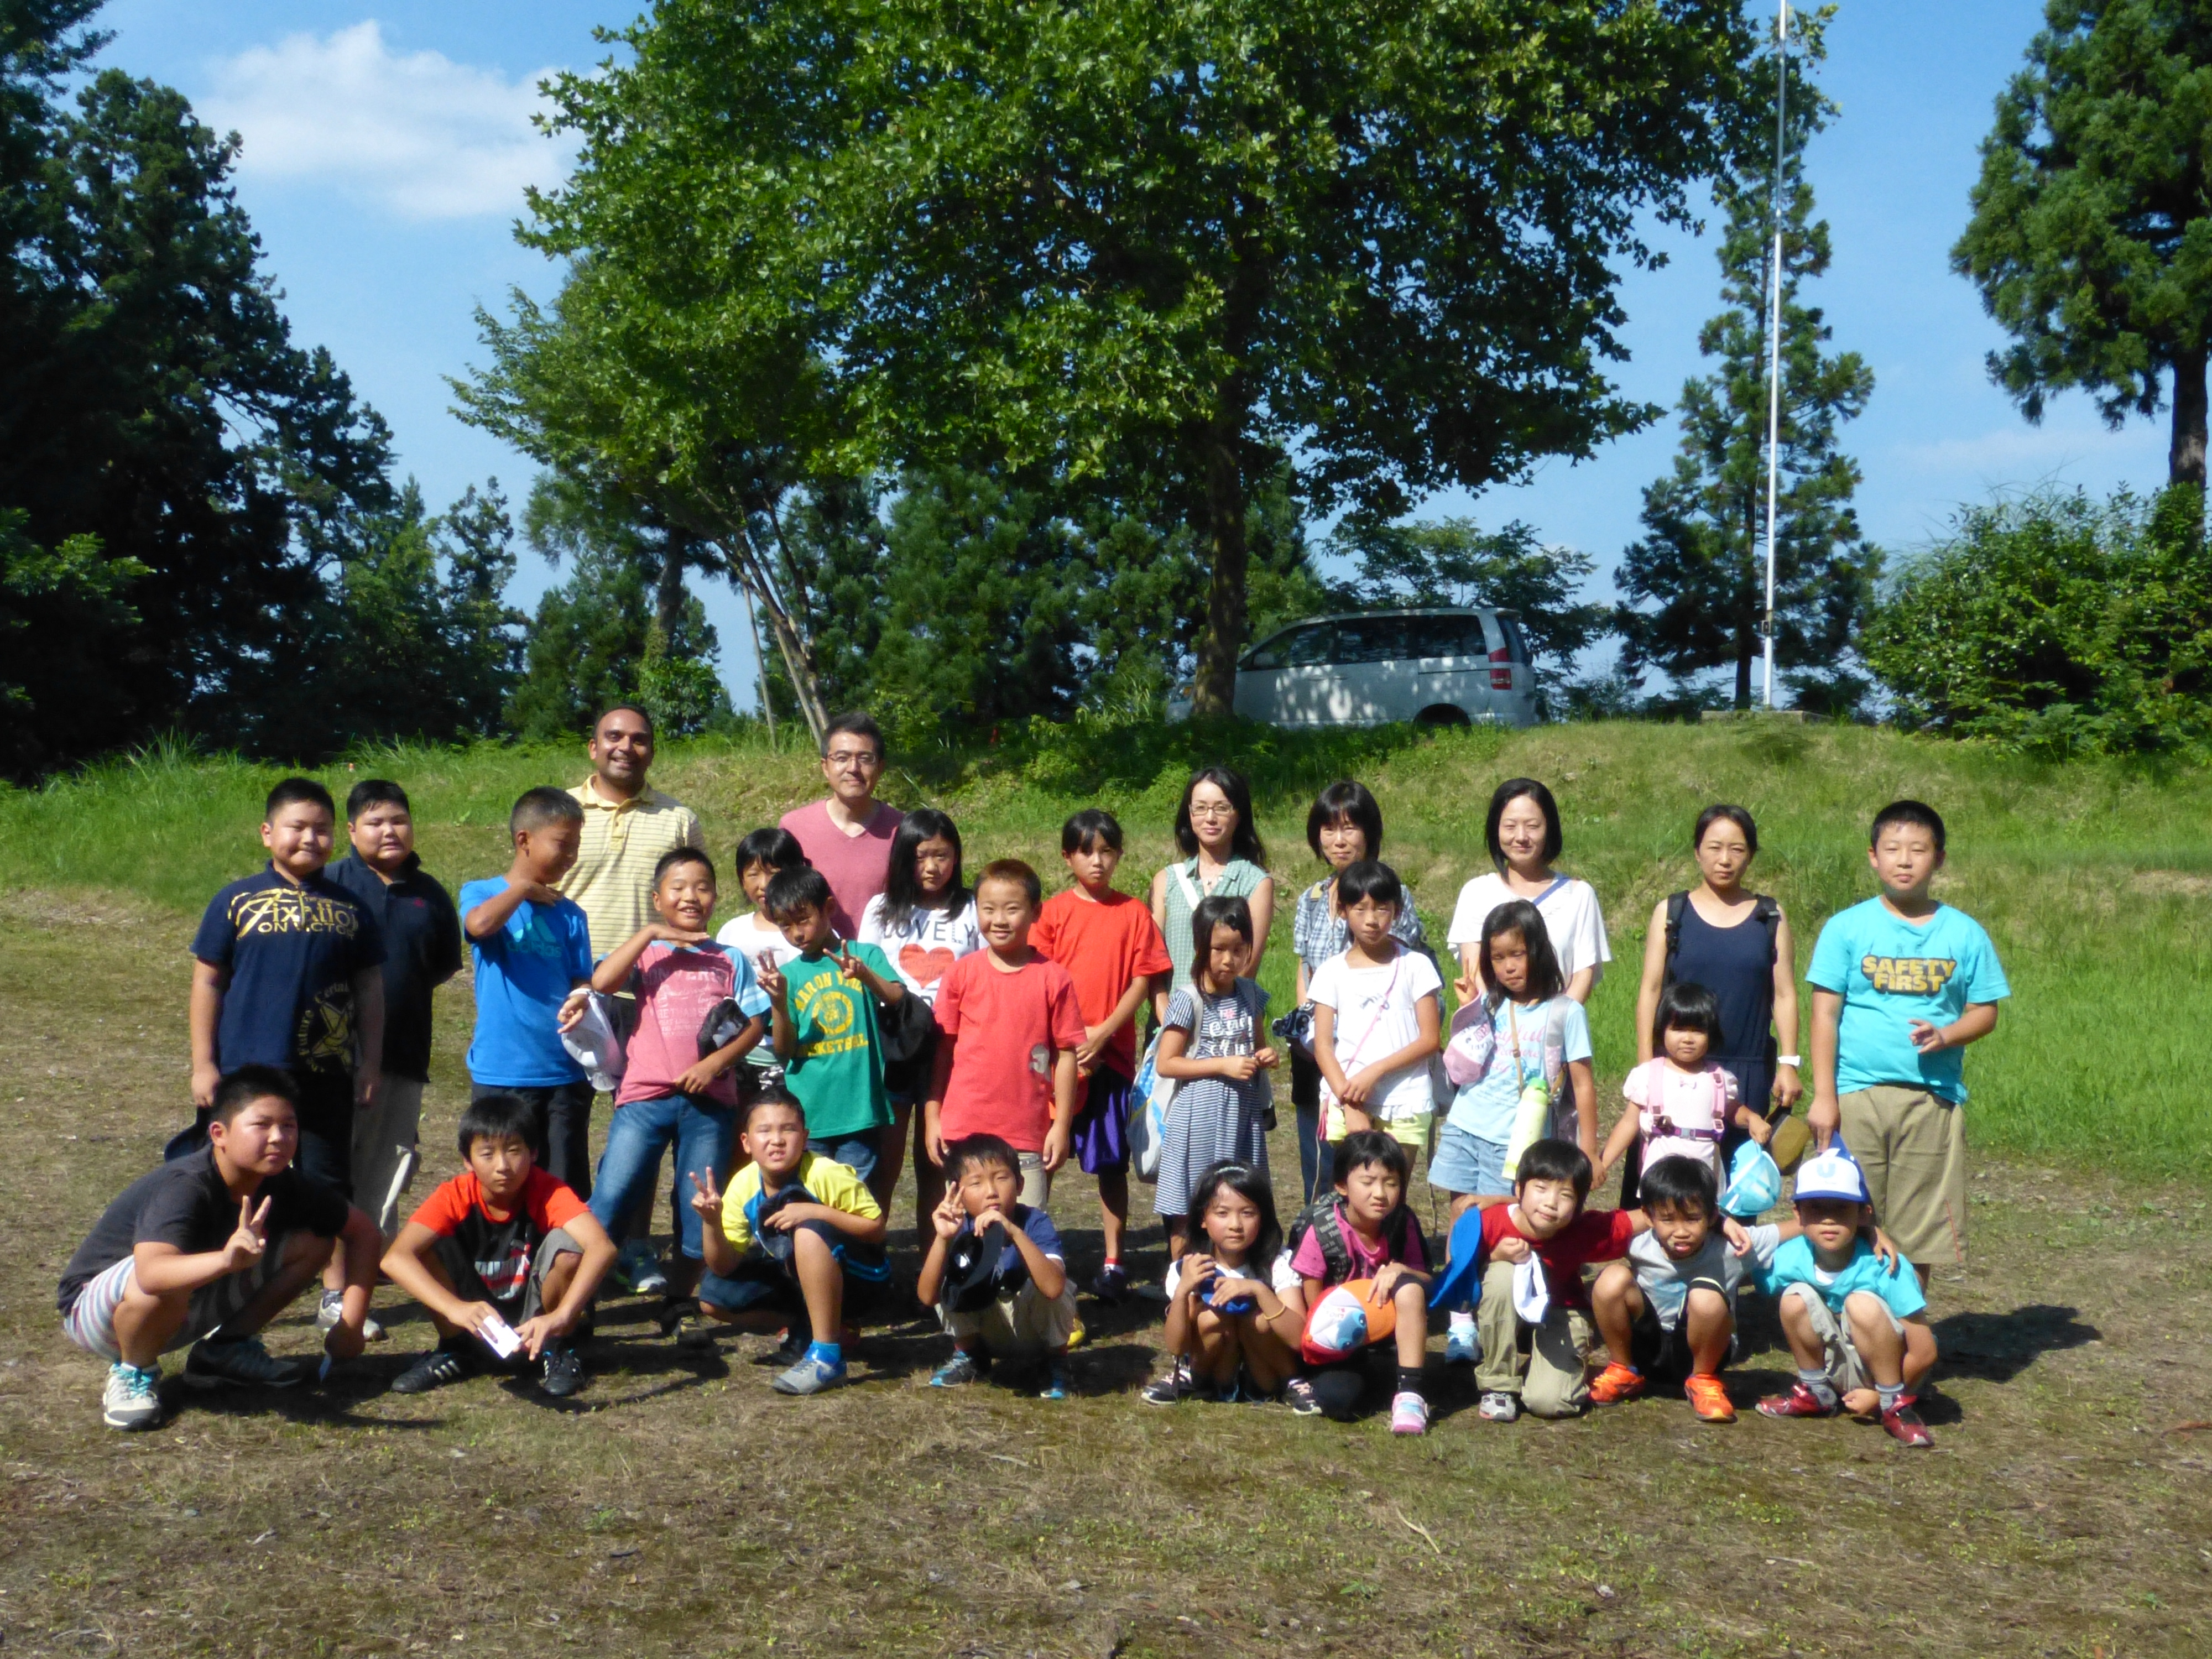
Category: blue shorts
[858,1153]
[1464,1164]
[761,1280]
[1100,1130]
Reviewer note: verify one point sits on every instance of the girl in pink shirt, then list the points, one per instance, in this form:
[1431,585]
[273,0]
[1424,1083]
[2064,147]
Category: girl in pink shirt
[1684,1098]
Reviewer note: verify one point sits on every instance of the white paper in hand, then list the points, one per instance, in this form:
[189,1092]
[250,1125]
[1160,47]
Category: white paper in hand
[499,1336]
[1531,1296]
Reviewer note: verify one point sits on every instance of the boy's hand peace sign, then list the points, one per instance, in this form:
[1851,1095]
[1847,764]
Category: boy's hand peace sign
[708,1199]
[245,1246]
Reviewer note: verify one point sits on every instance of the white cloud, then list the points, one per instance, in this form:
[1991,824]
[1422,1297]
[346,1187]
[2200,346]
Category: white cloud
[419,134]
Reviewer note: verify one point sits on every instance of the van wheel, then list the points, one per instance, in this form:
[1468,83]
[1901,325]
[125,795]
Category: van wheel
[1441,714]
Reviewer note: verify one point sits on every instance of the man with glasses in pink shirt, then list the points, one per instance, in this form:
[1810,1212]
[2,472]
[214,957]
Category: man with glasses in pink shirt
[847,837]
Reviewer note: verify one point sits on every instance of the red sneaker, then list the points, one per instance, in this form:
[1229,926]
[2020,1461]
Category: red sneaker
[1616,1383]
[1800,1401]
[1708,1397]
[1903,1425]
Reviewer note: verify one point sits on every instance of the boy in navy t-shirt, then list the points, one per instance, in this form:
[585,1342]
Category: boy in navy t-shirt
[533,950]
[1901,984]
[288,972]
[1020,1307]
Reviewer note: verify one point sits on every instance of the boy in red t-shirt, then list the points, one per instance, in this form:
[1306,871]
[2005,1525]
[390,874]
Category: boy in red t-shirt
[1112,948]
[1008,1027]
[503,1253]
[1546,1220]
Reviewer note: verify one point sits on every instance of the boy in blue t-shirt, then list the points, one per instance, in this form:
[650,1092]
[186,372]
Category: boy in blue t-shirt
[1901,984]
[533,952]
[1013,1303]
[1856,1327]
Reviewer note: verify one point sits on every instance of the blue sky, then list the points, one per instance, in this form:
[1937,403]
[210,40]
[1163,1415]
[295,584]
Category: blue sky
[387,146]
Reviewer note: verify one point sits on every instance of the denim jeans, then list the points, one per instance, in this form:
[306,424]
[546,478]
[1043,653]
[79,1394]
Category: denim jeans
[702,1133]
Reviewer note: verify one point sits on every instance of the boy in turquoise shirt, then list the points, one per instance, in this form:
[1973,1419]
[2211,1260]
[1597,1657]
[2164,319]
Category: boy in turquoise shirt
[1901,984]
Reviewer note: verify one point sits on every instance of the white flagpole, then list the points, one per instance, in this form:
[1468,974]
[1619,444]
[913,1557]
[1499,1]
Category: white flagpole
[1774,333]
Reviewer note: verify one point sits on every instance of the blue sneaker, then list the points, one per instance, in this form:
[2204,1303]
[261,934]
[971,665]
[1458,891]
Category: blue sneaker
[957,1371]
[1056,1383]
[810,1375]
[1462,1348]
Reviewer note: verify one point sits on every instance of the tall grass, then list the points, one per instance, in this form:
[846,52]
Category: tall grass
[2095,878]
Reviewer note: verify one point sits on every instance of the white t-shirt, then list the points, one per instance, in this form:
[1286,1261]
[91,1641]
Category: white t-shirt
[1573,921]
[1281,1277]
[1376,1016]
[928,945]
[752,938]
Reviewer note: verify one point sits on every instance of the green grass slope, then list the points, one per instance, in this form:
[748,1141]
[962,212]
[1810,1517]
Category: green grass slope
[2095,880]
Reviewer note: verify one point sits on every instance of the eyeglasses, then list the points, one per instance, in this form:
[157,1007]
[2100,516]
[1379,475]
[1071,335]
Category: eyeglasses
[853,758]
[1209,809]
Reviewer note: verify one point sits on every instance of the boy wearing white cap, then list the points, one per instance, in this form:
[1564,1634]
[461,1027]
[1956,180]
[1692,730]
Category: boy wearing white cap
[1856,1327]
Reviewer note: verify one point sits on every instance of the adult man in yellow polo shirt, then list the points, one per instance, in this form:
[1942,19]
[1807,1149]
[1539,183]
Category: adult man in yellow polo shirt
[626,827]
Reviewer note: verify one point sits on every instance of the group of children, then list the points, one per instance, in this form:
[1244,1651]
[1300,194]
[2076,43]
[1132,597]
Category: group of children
[786,1066]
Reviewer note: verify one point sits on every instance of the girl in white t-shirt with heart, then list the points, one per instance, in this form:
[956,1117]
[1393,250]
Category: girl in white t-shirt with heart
[923,921]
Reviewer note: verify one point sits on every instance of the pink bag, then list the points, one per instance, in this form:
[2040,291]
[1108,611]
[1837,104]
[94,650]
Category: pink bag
[1470,1043]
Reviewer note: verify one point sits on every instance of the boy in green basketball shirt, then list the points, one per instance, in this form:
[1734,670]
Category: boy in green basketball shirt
[824,1005]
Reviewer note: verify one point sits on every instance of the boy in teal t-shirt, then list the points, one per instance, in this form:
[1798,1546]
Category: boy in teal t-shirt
[826,1032]
[1901,984]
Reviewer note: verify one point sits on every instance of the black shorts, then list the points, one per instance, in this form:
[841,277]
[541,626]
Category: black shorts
[1662,1353]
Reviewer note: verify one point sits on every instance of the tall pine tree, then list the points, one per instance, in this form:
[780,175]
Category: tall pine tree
[1696,583]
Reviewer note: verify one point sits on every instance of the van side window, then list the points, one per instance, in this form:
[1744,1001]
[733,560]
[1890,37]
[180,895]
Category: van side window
[1446,636]
[1310,647]
[1270,653]
[1516,642]
[1370,639]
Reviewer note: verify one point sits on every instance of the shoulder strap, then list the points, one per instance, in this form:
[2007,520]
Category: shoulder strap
[1191,896]
[1768,914]
[1676,903]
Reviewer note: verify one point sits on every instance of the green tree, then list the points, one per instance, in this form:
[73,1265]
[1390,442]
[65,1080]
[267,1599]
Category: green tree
[2057,623]
[1701,565]
[152,403]
[2091,238]
[1454,562]
[1173,248]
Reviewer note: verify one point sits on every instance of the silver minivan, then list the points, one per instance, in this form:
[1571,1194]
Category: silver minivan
[1371,667]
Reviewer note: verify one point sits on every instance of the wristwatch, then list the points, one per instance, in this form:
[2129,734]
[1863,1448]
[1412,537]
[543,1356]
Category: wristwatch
[1788,1060]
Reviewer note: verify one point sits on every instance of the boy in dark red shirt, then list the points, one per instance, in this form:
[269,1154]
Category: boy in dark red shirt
[1008,1028]
[503,1254]
[1112,948]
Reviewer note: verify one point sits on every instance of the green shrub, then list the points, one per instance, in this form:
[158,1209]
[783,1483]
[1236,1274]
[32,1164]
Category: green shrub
[2057,625]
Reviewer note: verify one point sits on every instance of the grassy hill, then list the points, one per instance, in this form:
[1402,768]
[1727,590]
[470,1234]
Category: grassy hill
[2095,879]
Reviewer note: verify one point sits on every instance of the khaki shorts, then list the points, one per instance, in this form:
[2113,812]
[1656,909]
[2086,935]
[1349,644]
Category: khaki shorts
[1026,1325]
[1912,1145]
[1847,1371]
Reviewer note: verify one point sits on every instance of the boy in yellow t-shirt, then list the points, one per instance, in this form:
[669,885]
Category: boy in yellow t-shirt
[794,1226]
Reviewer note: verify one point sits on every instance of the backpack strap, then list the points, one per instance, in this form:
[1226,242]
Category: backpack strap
[1768,914]
[1676,903]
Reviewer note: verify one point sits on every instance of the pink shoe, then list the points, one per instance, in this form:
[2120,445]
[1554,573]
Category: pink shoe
[1409,1414]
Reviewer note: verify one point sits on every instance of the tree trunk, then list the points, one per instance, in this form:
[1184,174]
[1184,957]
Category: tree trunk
[668,592]
[1216,692]
[2185,462]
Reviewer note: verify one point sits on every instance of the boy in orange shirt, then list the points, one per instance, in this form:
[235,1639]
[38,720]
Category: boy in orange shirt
[1112,948]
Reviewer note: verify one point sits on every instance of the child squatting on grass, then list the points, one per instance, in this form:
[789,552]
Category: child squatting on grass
[795,1237]
[502,1256]
[210,1247]
[996,1271]
[1235,1303]
[1362,1269]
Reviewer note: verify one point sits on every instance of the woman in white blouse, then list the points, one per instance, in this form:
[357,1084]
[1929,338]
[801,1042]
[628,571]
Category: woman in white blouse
[1522,831]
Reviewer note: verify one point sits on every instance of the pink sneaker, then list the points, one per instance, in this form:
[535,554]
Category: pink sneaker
[1409,1414]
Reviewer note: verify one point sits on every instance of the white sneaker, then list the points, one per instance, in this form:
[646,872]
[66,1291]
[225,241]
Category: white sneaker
[132,1398]
[1409,1414]
[639,1268]
[332,1309]
[1498,1407]
[1462,1347]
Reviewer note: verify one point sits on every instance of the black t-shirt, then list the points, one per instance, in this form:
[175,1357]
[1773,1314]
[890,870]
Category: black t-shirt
[185,1204]
[291,952]
[422,949]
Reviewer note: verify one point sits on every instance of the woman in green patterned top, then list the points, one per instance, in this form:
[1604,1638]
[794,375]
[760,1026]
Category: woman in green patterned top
[1221,859]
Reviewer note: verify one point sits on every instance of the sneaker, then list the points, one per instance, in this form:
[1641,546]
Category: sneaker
[560,1373]
[332,1309]
[434,1369]
[1800,1401]
[1111,1284]
[211,1364]
[639,1269]
[1171,1389]
[1903,1425]
[1057,1383]
[1499,1407]
[688,1325]
[1299,1394]
[810,1375]
[1462,1348]
[1708,1397]
[1409,1414]
[1614,1384]
[132,1398]
[1076,1336]
[957,1372]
